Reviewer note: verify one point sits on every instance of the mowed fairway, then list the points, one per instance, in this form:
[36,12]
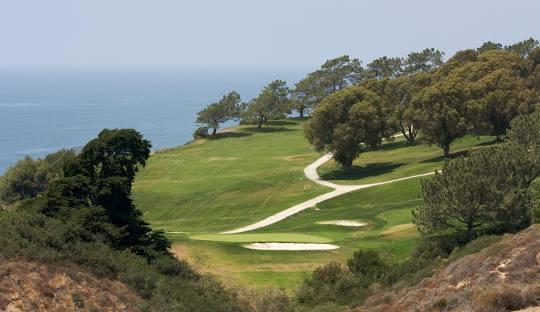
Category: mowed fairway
[398,159]
[212,185]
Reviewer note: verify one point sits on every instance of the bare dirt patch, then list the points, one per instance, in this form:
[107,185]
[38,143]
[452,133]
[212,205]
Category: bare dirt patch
[502,277]
[33,286]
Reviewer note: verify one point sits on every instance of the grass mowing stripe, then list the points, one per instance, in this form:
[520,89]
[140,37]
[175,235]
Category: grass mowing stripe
[254,238]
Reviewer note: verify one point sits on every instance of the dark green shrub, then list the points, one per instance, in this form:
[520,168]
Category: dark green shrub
[332,282]
[201,132]
[174,267]
[367,265]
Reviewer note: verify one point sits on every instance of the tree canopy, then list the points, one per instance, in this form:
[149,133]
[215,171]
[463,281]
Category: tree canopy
[487,192]
[344,120]
[29,177]
[272,102]
[215,114]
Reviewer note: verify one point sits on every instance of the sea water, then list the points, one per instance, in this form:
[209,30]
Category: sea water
[44,110]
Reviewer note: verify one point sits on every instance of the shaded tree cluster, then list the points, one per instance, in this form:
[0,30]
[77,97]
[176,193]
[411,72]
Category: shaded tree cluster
[346,119]
[472,93]
[272,102]
[490,191]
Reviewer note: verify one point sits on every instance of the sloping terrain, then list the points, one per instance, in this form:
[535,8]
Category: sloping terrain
[502,277]
[32,286]
[245,175]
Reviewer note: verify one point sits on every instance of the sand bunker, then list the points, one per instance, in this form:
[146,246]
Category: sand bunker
[290,246]
[344,223]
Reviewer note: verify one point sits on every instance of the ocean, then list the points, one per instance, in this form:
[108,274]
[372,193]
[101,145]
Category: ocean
[44,110]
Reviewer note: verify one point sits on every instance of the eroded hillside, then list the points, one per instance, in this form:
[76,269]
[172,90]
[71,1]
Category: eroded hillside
[31,286]
[502,277]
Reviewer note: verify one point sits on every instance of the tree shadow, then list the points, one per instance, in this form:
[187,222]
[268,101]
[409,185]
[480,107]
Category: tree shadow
[488,143]
[360,172]
[281,123]
[225,135]
[264,129]
[391,146]
[441,158]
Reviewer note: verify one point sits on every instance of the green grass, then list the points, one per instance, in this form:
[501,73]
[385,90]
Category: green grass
[219,184]
[396,160]
[244,176]
[252,238]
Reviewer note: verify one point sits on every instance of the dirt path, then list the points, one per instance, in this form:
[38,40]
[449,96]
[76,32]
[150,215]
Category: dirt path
[311,173]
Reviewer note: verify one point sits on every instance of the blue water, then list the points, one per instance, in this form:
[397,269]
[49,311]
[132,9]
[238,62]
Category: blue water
[42,111]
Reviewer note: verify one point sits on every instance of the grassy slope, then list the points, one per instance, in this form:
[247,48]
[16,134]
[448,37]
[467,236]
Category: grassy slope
[215,185]
[212,185]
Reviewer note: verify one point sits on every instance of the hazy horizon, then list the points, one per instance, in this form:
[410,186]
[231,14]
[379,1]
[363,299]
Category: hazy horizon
[262,35]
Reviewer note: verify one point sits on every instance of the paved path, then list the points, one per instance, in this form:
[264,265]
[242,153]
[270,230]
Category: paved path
[311,173]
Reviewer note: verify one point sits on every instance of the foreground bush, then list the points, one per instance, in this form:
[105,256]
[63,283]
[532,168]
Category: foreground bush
[165,283]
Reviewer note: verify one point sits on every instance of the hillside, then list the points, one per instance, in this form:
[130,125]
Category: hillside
[245,174]
[503,277]
[33,286]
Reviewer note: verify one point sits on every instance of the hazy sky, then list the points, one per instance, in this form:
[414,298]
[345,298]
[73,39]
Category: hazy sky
[249,33]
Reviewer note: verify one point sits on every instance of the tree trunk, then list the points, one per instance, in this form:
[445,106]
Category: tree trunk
[347,165]
[301,111]
[446,149]
[259,125]
[412,133]
[470,231]
[214,131]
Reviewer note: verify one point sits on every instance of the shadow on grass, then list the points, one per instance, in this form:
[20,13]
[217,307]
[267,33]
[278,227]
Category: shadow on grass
[441,158]
[360,172]
[488,143]
[224,135]
[392,146]
[267,129]
[281,123]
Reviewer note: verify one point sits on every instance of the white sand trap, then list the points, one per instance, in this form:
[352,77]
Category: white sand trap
[344,223]
[290,246]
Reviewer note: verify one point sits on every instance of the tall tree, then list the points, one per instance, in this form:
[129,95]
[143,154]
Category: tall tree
[488,46]
[443,111]
[344,120]
[102,176]
[217,113]
[524,134]
[502,90]
[486,191]
[271,102]
[307,93]
[114,153]
[397,95]
[340,72]
[524,47]
[385,67]
[533,75]
[473,93]
[423,61]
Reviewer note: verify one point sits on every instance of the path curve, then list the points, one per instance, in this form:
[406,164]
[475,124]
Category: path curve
[311,173]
